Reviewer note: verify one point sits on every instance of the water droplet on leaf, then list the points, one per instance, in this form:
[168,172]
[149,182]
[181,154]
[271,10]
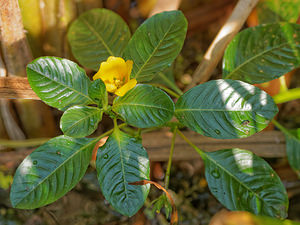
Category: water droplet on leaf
[217,131]
[34,162]
[215,173]
[58,152]
[105,156]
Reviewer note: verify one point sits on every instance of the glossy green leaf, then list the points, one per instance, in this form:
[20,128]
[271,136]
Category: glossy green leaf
[60,83]
[80,121]
[50,171]
[271,11]
[241,180]
[166,78]
[263,53]
[120,161]
[225,109]
[96,35]
[293,149]
[144,106]
[97,92]
[155,44]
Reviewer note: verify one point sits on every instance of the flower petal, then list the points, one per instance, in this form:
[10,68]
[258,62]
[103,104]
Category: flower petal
[129,64]
[113,68]
[129,85]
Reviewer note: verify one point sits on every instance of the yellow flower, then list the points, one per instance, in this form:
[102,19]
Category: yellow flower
[115,73]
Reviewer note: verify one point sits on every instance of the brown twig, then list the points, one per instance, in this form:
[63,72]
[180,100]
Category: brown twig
[218,46]
[164,5]
[16,88]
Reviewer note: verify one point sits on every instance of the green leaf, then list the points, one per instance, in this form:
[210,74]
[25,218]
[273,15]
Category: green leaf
[144,106]
[263,53]
[271,11]
[96,35]
[80,121]
[97,92]
[293,149]
[241,180]
[120,161]
[60,83]
[155,44]
[50,171]
[225,109]
[166,78]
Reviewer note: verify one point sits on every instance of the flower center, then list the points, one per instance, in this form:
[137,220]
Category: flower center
[119,83]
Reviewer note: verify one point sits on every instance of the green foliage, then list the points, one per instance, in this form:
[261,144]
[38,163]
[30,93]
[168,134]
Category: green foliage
[165,78]
[50,171]
[263,53]
[80,121]
[225,109]
[120,161]
[241,180]
[155,44]
[144,106]
[271,11]
[96,35]
[60,83]
[293,149]
[98,93]
[162,202]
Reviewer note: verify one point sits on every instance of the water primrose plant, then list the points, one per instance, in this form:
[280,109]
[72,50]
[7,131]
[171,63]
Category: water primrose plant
[133,69]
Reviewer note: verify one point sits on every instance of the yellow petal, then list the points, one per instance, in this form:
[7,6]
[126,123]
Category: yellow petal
[129,85]
[129,64]
[96,76]
[113,68]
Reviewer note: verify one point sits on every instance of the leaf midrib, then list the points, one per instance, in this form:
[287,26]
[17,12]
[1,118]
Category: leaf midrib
[142,105]
[154,51]
[253,58]
[53,172]
[117,134]
[62,84]
[98,36]
[218,110]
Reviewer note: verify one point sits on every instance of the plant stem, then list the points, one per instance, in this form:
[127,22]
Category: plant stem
[169,91]
[167,178]
[287,96]
[23,143]
[201,153]
[280,127]
[283,86]
[116,127]
[39,141]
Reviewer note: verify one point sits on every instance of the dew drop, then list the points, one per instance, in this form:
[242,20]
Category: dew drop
[217,131]
[105,156]
[215,173]
[34,162]
[58,152]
